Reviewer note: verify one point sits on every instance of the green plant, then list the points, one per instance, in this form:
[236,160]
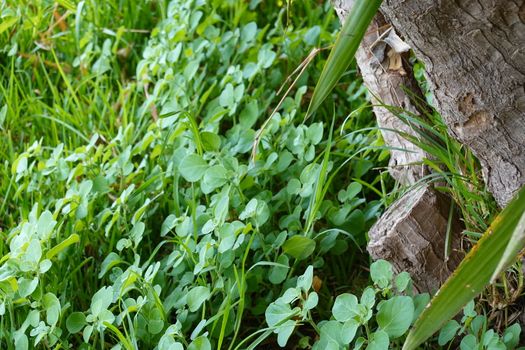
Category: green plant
[345,47]
[132,214]
[485,262]
[473,328]
[379,319]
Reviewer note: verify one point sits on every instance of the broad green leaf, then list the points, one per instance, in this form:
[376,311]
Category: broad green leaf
[45,225]
[32,254]
[311,301]
[52,306]
[368,298]
[27,286]
[305,280]
[469,343]
[196,297]
[266,56]
[381,273]
[289,296]
[168,224]
[192,167]
[299,247]
[395,315]
[75,322]
[345,307]
[472,275]
[249,114]
[200,343]
[420,301]
[401,281]
[469,309]
[353,189]
[278,313]
[349,330]
[330,335]
[278,273]
[21,341]
[284,332]
[214,177]
[86,334]
[344,49]
[448,332]
[226,98]
[312,35]
[315,133]
[106,316]
[101,300]
[210,141]
[511,336]
[379,341]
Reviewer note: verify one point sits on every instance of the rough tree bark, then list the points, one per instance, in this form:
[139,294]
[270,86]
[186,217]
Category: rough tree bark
[386,75]
[411,235]
[474,52]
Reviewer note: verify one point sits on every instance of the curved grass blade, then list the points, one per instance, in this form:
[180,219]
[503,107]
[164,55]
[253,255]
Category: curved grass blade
[490,254]
[344,49]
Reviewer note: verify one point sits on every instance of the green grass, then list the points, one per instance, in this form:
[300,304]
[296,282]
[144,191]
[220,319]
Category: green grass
[113,104]
[133,211]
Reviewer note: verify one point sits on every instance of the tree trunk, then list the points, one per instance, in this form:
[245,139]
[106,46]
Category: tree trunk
[411,234]
[386,75]
[474,52]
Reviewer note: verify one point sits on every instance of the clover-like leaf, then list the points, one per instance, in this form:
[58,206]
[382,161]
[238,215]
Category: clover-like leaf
[75,322]
[345,307]
[381,273]
[378,341]
[448,332]
[197,296]
[395,315]
[300,247]
[52,306]
[101,300]
[192,167]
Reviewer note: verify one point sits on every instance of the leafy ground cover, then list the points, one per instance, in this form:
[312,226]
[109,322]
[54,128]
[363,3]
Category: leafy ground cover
[135,213]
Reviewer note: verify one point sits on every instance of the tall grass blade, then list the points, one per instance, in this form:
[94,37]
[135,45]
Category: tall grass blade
[344,50]
[474,272]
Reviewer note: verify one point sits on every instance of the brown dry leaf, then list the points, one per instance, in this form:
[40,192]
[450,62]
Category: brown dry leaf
[317,283]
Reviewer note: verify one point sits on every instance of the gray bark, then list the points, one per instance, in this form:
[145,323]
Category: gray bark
[411,235]
[474,52]
[386,75]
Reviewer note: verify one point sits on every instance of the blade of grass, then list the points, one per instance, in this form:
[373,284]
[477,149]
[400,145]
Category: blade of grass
[474,272]
[344,50]
[317,197]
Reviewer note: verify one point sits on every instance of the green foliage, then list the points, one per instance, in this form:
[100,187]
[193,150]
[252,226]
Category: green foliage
[473,329]
[345,47]
[132,215]
[474,273]
[379,319]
